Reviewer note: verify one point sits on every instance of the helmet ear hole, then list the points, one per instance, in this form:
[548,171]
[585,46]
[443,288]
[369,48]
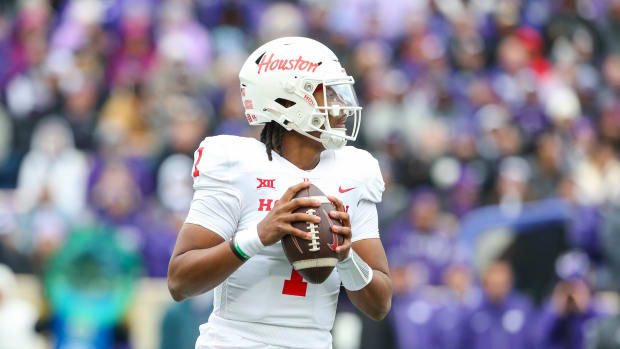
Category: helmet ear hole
[317,121]
[285,102]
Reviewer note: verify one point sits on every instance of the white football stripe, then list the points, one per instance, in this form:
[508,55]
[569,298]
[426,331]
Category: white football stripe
[315,263]
[320,198]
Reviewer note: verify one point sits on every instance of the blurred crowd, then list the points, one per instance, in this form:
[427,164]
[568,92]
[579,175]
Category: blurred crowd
[496,124]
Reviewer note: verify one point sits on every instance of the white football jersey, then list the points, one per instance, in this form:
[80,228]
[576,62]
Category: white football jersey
[236,185]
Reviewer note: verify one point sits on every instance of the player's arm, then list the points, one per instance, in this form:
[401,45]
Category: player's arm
[202,259]
[374,300]
[363,268]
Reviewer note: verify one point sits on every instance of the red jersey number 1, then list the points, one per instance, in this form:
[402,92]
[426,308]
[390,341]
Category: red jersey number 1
[196,173]
[295,286]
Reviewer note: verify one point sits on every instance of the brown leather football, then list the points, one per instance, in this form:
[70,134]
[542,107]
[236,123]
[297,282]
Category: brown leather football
[314,259]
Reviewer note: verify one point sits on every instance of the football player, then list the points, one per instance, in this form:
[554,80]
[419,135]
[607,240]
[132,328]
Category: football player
[243,205]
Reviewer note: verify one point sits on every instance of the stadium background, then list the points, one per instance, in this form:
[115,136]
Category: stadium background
[496,124]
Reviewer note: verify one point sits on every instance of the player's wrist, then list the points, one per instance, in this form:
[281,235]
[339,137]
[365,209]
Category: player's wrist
[236,251]
[246,243]
[354,273]
[344,255]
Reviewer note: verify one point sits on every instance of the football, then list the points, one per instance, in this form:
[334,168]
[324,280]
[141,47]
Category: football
[314,259]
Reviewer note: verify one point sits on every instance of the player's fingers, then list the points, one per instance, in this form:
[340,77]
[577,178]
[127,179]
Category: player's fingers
[339,205]
[346,244]
[342,216]
[302,217]
[291,191]
[301,202]
[289,229]
[344,231]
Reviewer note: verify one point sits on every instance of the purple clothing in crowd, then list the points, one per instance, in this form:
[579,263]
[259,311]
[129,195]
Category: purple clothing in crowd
[568,331]
[507,325]
[431,252]
[427,319]
[584,230]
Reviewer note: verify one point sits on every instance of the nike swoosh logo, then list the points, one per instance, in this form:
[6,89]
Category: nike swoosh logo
[344,190]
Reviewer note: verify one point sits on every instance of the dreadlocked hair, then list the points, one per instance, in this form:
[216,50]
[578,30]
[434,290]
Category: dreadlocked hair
[271,136]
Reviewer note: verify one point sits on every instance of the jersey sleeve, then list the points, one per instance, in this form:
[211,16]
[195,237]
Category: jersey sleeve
[365,221]
[373,183]
[216,204]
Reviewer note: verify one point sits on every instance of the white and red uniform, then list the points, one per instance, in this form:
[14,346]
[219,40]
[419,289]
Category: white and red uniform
[265,303]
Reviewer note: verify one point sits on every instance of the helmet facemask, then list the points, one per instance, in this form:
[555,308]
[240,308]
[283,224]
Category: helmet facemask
[338,101]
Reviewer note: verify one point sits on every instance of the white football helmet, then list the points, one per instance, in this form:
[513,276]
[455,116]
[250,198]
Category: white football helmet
[278,81]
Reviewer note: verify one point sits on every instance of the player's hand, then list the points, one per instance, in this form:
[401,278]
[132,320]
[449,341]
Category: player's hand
[278,221]
[344,230]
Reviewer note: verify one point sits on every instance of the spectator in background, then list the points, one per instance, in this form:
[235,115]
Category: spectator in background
[569,25]
[26,52]
[597,176]
[610,27]
[461,295]
[5,29]
[9,159]
[124,124]
[53,171]
[503,318]
[419,247]
[611,73]
[498,136]
[610,241]
[174,192]
[512,186]
[120,198]
[562,106]
[360,18]
[24,82]
[280,19]
[182,124]
[79,29]
[548,166]
[583,230]
[135,57]
[565,316]
[394,197]
[182,39]
[465,193]
[116,196]
[10,255]
[17,317]
[181,321]
[51,190]
[609,123]
[420,250]
[80,110]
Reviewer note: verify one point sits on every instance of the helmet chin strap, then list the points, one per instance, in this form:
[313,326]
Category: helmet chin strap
[333,142]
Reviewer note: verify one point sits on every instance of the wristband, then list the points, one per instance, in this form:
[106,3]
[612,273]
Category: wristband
[354,272]
[247,242]
[233,247]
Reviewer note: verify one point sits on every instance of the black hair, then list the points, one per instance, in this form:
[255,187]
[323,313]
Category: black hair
[271,136]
